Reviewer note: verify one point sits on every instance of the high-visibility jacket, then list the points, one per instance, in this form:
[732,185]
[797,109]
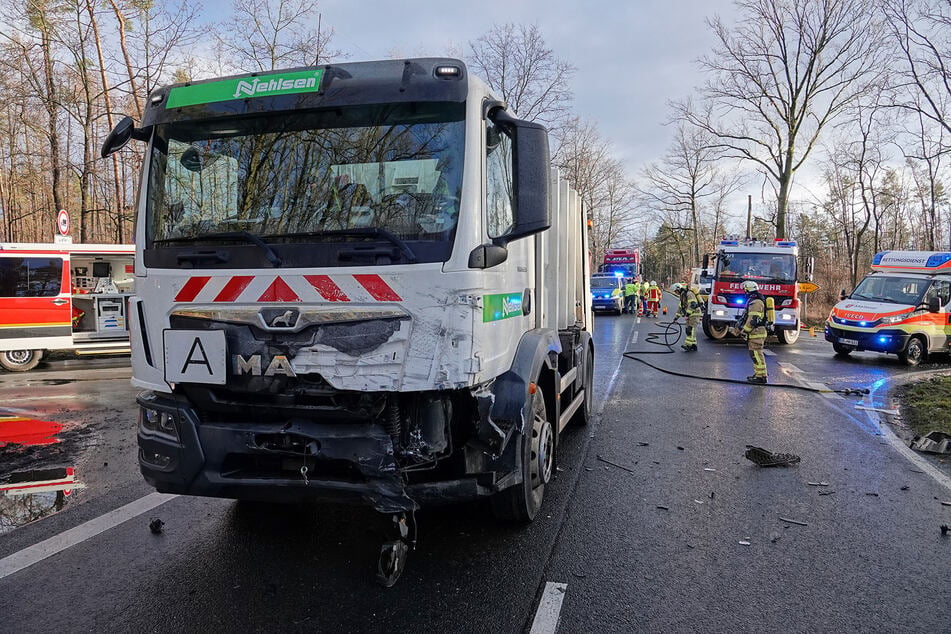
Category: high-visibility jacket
[631,288]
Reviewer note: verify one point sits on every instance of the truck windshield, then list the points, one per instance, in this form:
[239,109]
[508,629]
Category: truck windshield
[310,177]
[778,268]
[893,290]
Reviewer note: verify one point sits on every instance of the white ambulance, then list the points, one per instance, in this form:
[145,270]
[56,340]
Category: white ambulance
[901,307]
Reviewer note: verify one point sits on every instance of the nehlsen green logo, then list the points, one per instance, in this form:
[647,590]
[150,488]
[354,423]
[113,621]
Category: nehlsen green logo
[228,89]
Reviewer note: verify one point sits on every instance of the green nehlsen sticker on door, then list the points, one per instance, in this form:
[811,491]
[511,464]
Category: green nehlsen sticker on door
[246,87]
[502,306]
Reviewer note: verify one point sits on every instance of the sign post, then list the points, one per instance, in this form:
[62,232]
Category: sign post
[62,223]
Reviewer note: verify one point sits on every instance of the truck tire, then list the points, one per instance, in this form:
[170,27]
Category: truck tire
[914,353]
[787,337]
[715,331]
[583,416]
[20,360]
[521,502]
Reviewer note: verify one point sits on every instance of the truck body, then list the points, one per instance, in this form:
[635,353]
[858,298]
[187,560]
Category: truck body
[901,307]
[63,297]
[627,262]
[774,266]
[359,282]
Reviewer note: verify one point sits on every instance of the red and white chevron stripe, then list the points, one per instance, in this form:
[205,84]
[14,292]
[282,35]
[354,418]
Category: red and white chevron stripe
[276,288]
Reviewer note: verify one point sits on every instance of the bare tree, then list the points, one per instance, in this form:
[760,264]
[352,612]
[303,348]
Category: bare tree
[922,31]
[269,34]
[677,187]
[600,180]
[780,76]
[517,63]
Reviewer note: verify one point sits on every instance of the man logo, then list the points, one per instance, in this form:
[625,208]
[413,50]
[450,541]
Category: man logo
[283,318]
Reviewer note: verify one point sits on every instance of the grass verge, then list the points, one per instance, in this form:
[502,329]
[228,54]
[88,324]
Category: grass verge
[926,406]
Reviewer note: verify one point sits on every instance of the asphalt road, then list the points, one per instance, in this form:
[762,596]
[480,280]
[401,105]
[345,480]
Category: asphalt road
[655,521]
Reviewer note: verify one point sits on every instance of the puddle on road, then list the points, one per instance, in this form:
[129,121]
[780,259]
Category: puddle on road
[37,476]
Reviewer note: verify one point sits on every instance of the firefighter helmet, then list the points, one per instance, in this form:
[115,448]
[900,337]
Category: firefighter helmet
[749,286]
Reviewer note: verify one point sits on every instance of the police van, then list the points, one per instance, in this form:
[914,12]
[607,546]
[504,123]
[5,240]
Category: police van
[901,307]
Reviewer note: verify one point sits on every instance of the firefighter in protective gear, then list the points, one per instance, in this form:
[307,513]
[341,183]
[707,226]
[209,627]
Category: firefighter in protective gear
[653,299]
[752,326]
[691,307]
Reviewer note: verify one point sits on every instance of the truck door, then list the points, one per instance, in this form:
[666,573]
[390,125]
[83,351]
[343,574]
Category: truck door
[35,299]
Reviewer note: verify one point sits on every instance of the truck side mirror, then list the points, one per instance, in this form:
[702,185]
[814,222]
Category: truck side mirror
[531,174]
[843,294]
[120,135]
[934,304]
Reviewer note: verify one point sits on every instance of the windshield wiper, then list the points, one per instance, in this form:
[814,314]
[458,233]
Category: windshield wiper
[367,232]
[242,236]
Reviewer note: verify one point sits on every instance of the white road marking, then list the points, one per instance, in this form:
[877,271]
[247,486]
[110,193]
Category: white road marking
[58,543]
[617,371]
[549,608]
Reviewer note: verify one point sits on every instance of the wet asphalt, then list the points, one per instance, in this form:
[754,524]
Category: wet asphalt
[655,520]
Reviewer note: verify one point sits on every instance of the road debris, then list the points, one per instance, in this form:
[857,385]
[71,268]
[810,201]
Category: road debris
[614,464]
[946,504]
[871,493]
[764,458]
[743,542]
[663,508]
[643,444]
[935,442]
[905,488]
[818,484]
[792,521]
[155,525]
[826,492]
[945,530]
[709,469]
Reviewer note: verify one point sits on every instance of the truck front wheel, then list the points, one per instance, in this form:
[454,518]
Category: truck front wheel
[519,503]
[715,330]
[20,360]
[787,336]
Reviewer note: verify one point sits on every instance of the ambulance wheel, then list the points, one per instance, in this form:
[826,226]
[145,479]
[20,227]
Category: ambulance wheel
[521,502]
[842,351]
[714,330]
[914,353]
[787,337]
[20,360]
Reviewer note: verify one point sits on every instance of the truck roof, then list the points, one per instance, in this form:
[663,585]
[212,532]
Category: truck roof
[311,87]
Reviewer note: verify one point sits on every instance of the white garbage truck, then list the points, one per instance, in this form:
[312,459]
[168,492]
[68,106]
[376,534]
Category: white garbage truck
[359,282]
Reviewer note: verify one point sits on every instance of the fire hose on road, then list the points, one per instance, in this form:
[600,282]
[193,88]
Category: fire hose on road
[671,334]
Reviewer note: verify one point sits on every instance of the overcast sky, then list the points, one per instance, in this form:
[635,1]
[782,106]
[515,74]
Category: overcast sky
[632,56]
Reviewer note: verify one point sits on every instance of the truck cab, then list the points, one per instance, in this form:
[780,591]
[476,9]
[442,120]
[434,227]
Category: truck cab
[359,282]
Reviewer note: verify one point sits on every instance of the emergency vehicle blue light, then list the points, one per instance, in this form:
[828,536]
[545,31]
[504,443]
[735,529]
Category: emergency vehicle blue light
[730,243]
[618,274]
[883,339]
[740,300]
[863,323]
[878,258]
[937,260]
[785,243]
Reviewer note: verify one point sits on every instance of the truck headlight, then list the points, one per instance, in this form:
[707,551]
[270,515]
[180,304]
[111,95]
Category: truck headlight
[160,422]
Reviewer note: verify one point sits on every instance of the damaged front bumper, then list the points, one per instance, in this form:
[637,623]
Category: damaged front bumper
[295,459]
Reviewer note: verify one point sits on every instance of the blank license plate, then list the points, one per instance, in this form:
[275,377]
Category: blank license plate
[848,342]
